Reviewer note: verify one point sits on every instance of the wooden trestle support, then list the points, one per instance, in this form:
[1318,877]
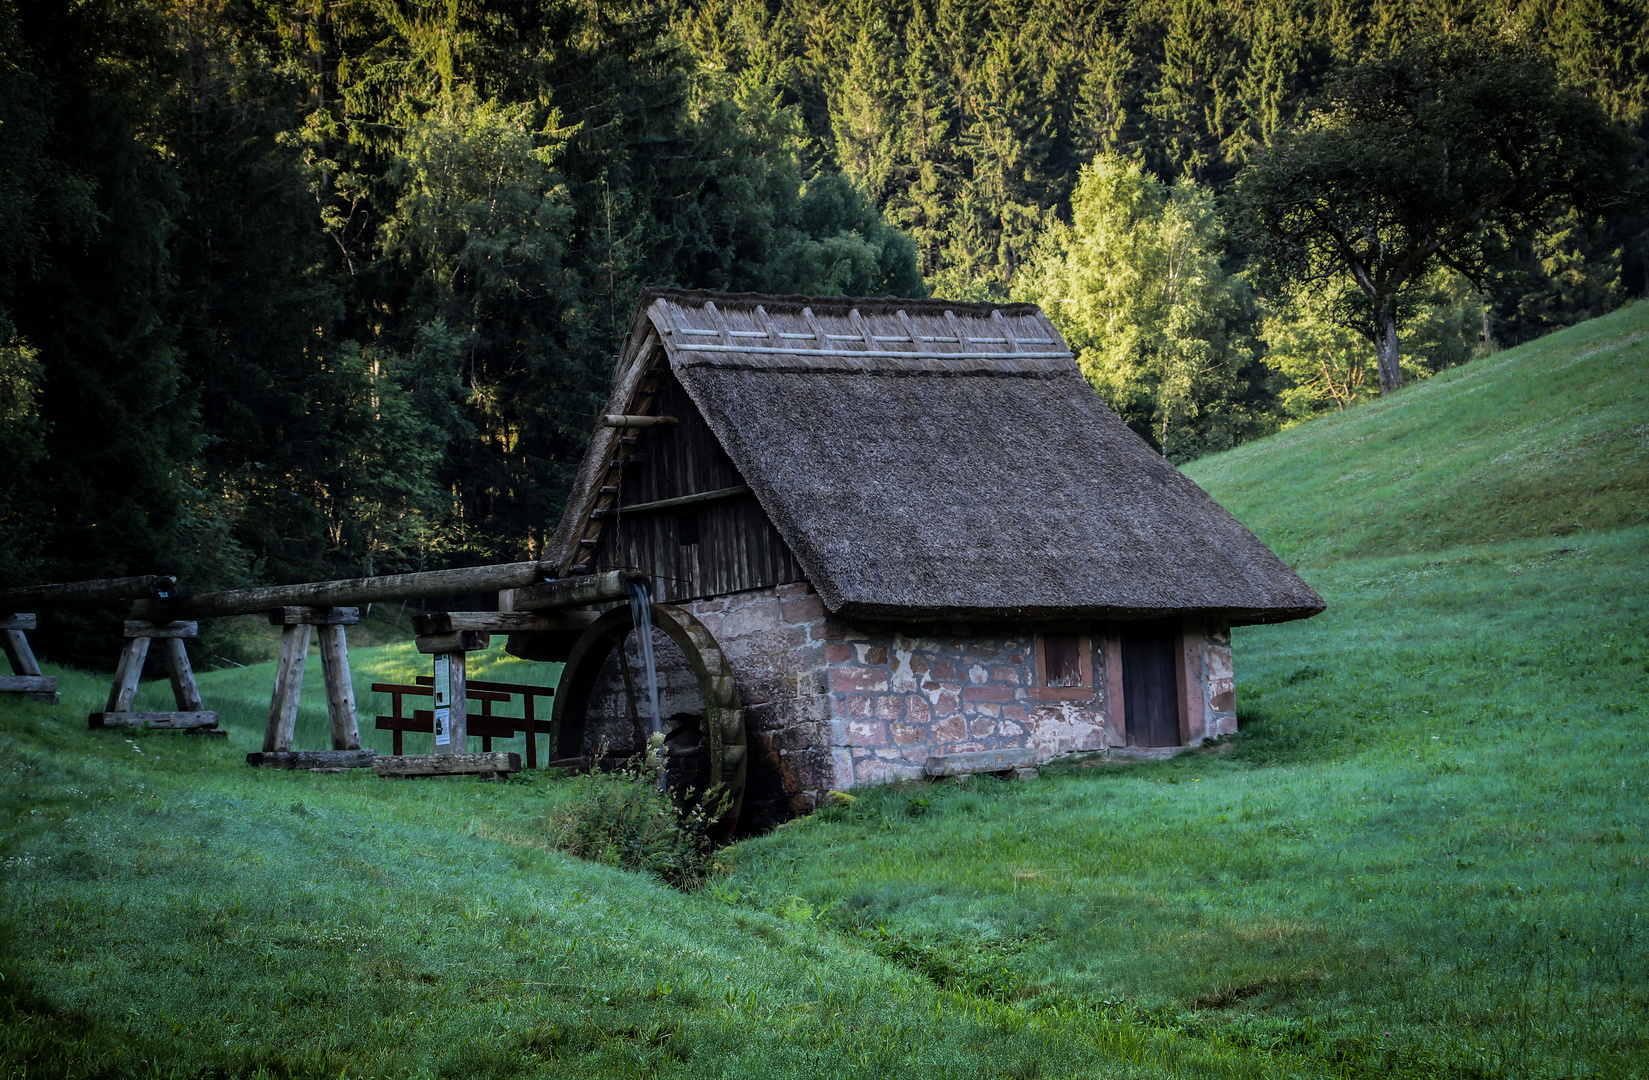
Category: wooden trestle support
[16,618]
[191,714]
[296,625]
[25,678]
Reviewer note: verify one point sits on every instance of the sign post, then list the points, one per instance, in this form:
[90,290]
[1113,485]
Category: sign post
[451,723]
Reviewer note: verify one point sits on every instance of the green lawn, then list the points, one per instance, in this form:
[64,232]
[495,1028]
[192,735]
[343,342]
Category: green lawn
[1423,856]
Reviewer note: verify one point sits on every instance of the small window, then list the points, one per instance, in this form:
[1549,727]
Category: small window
[687,529]
[1062,659]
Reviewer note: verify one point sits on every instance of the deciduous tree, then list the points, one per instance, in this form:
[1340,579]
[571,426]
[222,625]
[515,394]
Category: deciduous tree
[1434,154]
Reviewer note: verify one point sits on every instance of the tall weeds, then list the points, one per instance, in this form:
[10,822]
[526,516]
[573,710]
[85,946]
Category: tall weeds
[626,818]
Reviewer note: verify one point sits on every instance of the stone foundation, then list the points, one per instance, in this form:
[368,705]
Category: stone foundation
[830,704]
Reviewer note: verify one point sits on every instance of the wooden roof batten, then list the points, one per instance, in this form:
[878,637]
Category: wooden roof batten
[866,341]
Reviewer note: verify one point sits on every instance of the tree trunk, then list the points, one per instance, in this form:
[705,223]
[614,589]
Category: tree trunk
[1385,349]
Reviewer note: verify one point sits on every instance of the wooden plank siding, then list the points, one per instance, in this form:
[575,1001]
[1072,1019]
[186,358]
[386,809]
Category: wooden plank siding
[738,548]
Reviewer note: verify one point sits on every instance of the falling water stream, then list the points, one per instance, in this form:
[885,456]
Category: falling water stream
[641,614]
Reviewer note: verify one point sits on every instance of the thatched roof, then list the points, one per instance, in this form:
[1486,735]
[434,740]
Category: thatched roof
[926,459]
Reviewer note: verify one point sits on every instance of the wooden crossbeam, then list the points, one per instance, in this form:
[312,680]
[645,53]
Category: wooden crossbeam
[28,684]
[167,721]
[312,759]
[447,764]
[503,622]
[137,628]
[623,420]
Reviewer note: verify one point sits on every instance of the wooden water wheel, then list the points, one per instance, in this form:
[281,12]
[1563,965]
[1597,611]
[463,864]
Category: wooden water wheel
[704,747]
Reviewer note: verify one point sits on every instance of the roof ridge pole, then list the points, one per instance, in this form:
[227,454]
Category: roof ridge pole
[1007,334]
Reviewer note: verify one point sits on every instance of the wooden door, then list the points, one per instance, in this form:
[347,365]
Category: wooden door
[1149,685]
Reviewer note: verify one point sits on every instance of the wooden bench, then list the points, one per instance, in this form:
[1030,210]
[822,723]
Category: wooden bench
[487,724]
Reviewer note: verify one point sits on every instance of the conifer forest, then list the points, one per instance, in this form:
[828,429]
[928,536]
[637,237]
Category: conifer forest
[293,289]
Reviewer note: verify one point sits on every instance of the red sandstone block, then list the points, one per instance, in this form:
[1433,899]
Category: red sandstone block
[875,654]
[982,729]
[918,666]
[917,710]
[905,734]
[1016,712]
[834,630]
[849,679]
[802,737]
[867,733]
[837,653]
[861,706]
[757,617]
[949,729]
[1016,659]
[987,693]
[803,609]
[1005,675]
[890,707]
[1223,701]
[945,671]
[946,701]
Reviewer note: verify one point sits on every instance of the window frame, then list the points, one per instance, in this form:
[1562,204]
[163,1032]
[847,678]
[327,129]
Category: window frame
[1085,690]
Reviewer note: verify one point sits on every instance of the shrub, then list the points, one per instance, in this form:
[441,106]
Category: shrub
[627,818]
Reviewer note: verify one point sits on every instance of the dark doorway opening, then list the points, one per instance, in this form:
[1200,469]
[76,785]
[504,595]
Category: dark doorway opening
[1150,687]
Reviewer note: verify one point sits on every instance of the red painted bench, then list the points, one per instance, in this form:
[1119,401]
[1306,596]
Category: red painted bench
[486,724]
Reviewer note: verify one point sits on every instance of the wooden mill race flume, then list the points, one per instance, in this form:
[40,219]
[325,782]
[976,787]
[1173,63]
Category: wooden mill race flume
[544,618]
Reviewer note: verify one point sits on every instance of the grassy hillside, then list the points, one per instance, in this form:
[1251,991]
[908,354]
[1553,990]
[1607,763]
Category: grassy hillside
[1548,439]
[1423,856]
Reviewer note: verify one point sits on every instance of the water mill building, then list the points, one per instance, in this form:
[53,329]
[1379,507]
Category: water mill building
[914,539]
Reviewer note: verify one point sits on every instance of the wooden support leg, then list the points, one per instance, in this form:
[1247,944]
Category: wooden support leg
[283,703]
[340,692]
[127,673]
[184,690]
[18,653]
[460,703]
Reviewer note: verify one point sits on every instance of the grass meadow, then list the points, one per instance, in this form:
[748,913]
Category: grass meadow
[1424,855]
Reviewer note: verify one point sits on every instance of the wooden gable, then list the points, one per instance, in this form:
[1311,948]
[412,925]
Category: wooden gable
[685,517]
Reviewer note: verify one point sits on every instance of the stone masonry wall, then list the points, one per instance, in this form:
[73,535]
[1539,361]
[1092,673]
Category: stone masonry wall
[1219,681]
[831,705]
